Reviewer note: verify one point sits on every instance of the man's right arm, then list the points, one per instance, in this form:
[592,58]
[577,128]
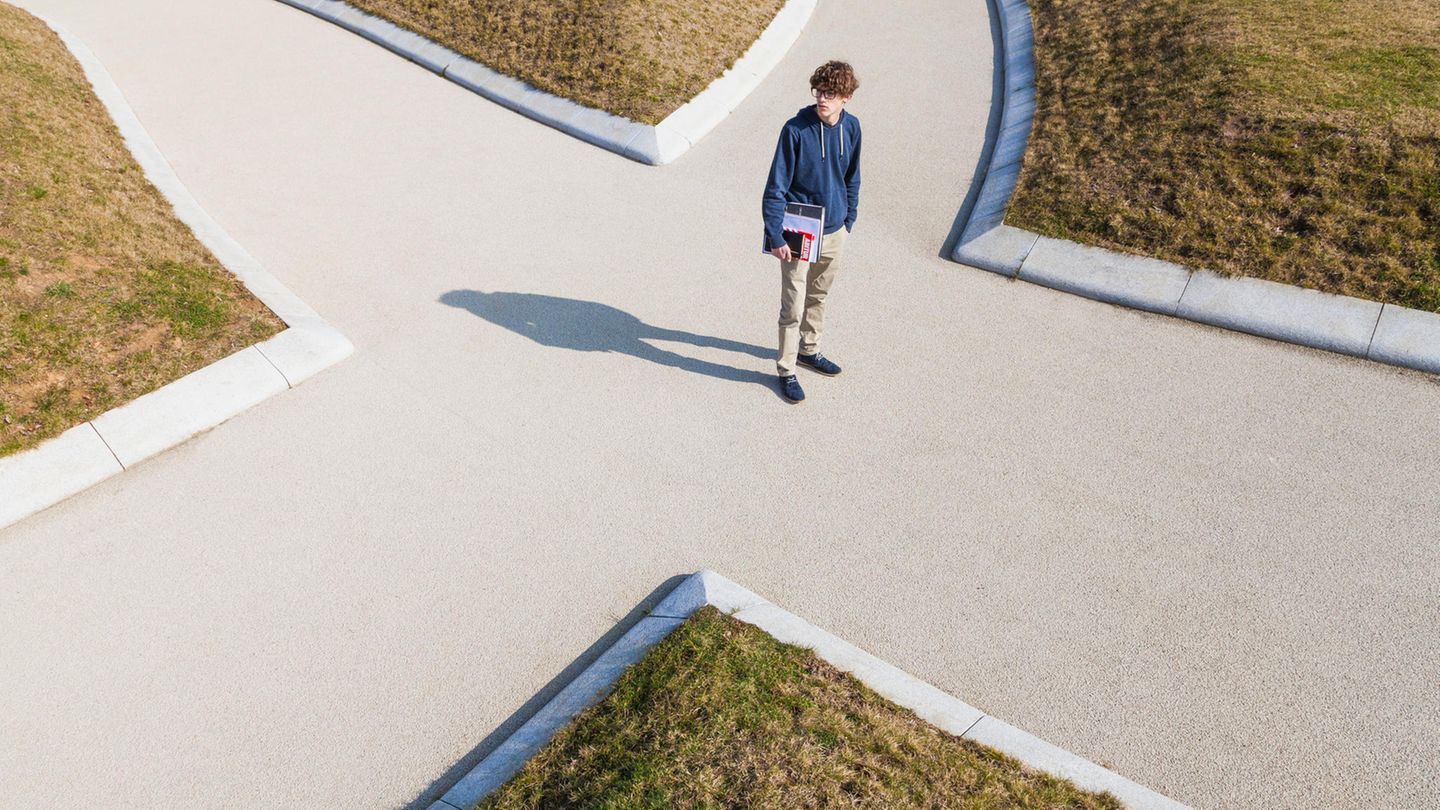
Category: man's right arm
[772,205]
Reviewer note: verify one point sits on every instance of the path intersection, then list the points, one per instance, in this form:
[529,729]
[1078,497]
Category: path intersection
[1202,559]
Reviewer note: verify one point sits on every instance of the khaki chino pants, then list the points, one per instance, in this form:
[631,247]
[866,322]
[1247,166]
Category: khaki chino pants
[803,289]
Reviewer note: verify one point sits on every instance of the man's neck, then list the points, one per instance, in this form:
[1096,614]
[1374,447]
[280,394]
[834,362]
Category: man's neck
[832,120]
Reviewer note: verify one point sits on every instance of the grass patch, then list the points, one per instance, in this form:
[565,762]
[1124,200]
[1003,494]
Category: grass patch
[638,58]
[1291,140]
[720,714]
[104,294]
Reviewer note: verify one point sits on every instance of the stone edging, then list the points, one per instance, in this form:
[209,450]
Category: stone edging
[655,145]
[1384,332]
[709,588]
[122,437]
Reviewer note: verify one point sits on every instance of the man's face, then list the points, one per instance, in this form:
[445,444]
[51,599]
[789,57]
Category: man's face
[829,104]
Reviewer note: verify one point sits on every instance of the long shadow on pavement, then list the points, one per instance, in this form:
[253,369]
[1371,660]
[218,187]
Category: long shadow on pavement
[437,788]
[586,326]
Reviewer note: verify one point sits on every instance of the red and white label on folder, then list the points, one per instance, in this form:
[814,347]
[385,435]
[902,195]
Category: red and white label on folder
[807,245]
[807,222]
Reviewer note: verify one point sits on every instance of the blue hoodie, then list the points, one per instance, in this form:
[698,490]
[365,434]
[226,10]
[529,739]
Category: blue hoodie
[815,164]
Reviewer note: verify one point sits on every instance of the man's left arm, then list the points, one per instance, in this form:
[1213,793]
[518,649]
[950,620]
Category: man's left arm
[852,184]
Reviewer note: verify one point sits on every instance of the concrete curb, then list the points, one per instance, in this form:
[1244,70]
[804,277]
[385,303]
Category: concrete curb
[709,588]
[1386,333]
[89,453]
[1008,134]
[654,145]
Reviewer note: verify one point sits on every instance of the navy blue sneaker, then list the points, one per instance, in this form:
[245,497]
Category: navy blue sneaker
[790,387]
[819,362]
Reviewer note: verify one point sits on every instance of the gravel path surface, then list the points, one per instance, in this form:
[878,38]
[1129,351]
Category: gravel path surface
[1203,559]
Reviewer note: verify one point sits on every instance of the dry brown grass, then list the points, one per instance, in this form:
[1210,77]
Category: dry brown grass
[638,58]
[721,715]
[1292,140]
[104,294]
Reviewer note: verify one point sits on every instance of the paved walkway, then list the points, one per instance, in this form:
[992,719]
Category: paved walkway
[1206,560]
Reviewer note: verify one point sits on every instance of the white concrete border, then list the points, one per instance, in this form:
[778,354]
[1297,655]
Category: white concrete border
[654,145]
[1387,333]
[127,435]
[709,588]
[1007,134]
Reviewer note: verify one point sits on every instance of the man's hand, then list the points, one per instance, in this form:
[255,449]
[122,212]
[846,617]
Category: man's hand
[783,253]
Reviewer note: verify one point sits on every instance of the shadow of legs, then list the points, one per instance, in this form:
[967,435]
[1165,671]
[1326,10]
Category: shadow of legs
[586,326]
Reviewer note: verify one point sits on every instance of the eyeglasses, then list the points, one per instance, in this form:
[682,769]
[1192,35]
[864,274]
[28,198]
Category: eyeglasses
[822,94]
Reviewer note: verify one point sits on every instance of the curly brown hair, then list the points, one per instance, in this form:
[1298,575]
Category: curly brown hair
[835,77]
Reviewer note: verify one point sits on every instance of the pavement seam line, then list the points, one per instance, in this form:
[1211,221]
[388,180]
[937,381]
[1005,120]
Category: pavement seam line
[1188,278]
[972,726]
[1369,344]
[1020,267]
[282,374]
[107,444]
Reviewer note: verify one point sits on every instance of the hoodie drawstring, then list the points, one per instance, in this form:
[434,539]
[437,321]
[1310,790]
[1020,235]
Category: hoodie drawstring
[821,126]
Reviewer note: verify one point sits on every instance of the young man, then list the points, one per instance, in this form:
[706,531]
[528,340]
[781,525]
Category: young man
[817,162]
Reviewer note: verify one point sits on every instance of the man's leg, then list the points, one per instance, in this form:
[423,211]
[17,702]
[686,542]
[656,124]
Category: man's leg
[817,288]
[792,297]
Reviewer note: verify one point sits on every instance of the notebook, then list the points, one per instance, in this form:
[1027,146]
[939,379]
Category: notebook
[804,230]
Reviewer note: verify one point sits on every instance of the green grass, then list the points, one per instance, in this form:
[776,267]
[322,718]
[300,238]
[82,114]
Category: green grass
[104,294]
[1292,140]
[720,715]
[640,59]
